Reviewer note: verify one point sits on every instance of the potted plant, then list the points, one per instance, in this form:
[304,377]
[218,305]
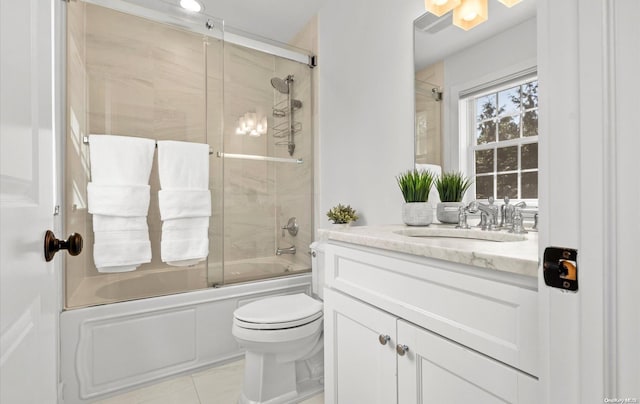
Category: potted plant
[451,187]
[415,186]
[342,216]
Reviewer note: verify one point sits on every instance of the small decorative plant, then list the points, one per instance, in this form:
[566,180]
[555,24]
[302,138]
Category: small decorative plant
[341,214]
[451,186]
[415,185]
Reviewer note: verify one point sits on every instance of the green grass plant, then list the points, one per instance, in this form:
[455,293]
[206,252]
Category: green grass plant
[415,185]
[451,186]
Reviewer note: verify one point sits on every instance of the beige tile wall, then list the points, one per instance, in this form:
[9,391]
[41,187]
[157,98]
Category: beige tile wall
[429,149]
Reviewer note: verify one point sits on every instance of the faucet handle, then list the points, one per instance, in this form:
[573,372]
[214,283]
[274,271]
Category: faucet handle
[472,207]
[291,226]
[462,219]
[518,225]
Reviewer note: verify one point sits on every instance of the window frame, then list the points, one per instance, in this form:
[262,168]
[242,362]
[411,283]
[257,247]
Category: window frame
[467,124]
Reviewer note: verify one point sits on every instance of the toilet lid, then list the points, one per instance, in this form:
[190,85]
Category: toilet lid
[279,312]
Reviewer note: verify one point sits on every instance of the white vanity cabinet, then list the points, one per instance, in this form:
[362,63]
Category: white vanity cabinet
[471,333]
[365,368]
[436,370]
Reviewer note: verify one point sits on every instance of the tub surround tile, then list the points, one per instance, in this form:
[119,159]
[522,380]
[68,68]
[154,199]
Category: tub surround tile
[519,257]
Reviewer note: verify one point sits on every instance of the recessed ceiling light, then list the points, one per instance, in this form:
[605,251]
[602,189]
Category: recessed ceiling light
[191,5]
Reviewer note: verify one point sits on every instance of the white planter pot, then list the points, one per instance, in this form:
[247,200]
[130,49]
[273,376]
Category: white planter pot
[417,214]
[340,226]
[447,212]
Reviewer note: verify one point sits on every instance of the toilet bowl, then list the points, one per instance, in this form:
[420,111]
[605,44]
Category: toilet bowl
[283,339]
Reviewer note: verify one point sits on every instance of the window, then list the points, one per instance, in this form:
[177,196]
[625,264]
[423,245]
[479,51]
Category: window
[504,144]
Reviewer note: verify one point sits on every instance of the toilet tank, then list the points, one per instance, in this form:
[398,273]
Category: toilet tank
[317,268]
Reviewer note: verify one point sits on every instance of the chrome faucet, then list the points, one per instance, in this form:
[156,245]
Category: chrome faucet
[463,211]
[290,250]
[489,215]
[508,213]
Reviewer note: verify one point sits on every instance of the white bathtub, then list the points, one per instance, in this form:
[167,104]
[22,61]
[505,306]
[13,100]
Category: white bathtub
[114,347]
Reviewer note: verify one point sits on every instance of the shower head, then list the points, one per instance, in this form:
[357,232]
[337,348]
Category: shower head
[280,85]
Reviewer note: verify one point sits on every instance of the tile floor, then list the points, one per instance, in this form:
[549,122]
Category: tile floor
[219,385]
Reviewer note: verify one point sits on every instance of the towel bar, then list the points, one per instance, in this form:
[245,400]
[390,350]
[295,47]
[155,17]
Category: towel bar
[259,158]
[85,140]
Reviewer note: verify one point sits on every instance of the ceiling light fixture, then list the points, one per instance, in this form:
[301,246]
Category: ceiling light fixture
[440,7]
[191,5]
[470,13]
[466,13]
[509,3]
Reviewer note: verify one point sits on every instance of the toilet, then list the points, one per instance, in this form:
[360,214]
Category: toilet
[283,339]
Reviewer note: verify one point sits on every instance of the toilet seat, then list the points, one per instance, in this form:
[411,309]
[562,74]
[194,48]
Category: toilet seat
[277,326]
[279,312]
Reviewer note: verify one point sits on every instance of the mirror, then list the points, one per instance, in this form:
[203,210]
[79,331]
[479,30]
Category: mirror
[451,63]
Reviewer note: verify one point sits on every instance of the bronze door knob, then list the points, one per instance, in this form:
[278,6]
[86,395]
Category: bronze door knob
[52,245]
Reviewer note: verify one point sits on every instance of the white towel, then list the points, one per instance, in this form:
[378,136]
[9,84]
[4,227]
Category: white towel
[118,198]
[126,201]
[184,201]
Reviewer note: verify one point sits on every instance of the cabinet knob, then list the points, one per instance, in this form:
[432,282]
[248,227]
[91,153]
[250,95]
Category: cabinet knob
[401,349]
[383,338]
[52,245]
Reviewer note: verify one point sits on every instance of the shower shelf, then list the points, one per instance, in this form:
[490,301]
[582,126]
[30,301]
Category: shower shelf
[259,158]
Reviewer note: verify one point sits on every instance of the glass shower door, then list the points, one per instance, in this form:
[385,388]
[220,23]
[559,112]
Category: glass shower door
[267,149]
[135,71]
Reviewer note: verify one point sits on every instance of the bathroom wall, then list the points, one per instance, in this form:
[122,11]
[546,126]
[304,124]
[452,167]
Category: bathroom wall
[429,111]
[433,74]
[365,105]
[506,53]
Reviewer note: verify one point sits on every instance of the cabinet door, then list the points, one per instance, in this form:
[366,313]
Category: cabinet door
[436,370]
[358,367]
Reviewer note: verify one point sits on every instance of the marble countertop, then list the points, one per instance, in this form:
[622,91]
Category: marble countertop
[518,256]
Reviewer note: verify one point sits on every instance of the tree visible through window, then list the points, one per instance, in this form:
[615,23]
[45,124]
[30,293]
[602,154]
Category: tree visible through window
[505,146]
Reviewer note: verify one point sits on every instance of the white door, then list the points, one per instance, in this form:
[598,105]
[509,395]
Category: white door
[28,285]
[436,370]
[588,63]
[358,368]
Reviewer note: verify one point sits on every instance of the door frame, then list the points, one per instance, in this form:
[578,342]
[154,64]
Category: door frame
[59,44]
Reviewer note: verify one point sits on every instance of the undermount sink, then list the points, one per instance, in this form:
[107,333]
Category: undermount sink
[476,234]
